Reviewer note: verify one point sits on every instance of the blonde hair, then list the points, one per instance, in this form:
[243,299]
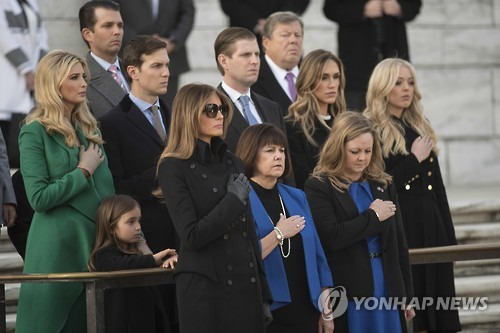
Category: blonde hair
[305,110]
[332,161]
[189,104]
[382,81]
[108,215]
[52,70]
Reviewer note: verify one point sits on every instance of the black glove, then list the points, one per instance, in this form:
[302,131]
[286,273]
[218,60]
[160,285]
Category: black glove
[239,186]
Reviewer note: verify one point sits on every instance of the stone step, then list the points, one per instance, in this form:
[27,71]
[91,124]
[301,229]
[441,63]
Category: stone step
[481,321]
[5,243]
[11,263]
[477,233]
[485,285]
[477,267]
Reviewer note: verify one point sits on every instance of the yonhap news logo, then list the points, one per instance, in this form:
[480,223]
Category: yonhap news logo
[333,302]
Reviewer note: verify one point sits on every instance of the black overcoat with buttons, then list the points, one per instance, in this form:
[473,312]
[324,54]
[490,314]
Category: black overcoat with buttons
[221,284]
[427,222]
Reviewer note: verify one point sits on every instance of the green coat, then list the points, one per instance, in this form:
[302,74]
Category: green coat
[62,233]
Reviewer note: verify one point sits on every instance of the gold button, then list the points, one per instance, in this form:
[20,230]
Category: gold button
[431,159]
[416,176]
[407,187]
[429,187]
[429,173]
[413,179]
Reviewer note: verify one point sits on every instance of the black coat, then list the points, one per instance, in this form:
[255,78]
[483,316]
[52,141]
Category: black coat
[427,223]
[246,13]
[134,309]
[268,110]
[304,155]
[358,37]
[175,20]
[220,279]
[133,148]
[343,233]
[268,86]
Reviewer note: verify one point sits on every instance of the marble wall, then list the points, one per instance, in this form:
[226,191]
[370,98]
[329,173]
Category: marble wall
[454,44]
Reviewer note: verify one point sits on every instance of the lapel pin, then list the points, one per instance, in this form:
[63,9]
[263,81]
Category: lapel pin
[380,189]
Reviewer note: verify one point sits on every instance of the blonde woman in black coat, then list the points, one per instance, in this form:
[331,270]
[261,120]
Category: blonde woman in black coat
[220,280]
[409,149]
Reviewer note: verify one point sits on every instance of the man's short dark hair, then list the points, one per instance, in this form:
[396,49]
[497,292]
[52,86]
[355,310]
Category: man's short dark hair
[224,43]
[140,45]
[87,12]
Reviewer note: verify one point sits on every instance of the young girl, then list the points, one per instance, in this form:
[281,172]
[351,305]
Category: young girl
[119,245]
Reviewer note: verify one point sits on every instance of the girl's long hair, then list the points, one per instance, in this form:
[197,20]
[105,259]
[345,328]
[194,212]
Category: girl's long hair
[382,81]
[332,161]
[109,213]
[305,110]
[52,70]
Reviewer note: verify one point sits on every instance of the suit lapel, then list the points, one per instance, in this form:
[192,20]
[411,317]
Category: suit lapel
[270,83]
[138,119]
[103,82]
[238,123]
[259,108]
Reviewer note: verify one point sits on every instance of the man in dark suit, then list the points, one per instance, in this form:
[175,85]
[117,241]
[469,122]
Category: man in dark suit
[282,42]
[237,55]
[135,134]
[101,26]
[169,20]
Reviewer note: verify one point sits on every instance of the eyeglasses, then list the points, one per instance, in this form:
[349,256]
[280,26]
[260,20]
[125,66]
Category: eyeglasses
[212,109]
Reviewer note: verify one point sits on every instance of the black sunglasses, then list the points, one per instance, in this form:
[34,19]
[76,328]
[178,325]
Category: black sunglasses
[212,109]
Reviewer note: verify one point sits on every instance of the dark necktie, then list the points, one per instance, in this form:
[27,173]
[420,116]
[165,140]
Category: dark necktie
[157,122]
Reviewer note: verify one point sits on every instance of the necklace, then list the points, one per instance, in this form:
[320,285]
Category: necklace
[281,243]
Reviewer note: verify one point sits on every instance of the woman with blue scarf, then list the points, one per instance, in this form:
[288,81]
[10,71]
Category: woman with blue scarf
[294,261]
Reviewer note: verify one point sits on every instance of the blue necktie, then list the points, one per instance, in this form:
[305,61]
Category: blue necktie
[245,101]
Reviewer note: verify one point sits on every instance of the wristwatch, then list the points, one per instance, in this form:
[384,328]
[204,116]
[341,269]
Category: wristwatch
[279,235]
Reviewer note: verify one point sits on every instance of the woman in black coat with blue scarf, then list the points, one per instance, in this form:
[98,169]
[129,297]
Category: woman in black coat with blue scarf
[294,260]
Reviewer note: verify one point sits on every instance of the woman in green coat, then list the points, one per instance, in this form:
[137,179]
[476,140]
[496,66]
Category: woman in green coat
[66,176]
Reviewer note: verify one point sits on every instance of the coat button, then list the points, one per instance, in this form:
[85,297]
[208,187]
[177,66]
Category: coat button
[245,202]
[226,236]
[416,176]
[431,159]
[229,162]
[229,267]
[253,280]
[204,176]
[244,234]
[243,219]
[250,264]
[429,173]
[413,179]
[192,166]
[215,190]
[229,282]
[249,249]
[407,187]
[429,187]
[229,252]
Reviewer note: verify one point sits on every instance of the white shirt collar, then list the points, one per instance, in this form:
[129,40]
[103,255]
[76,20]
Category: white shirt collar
[234,94]
[278,71]
[104,64]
